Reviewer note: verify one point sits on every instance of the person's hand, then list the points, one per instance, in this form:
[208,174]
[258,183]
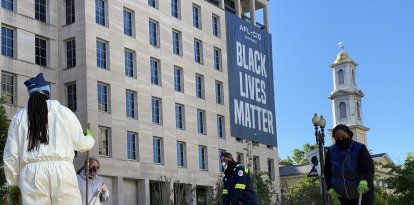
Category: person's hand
[333,197]
[89,132]
[363,186]
[103,188]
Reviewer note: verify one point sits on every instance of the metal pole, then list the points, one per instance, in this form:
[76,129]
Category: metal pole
[320,137]
[87,174]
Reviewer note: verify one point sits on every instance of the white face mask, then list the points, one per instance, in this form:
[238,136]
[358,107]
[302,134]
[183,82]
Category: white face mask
[224,164]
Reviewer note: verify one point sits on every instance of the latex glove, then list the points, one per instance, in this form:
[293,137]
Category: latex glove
[103,188]
[89,132]
[363,186]
[333,197]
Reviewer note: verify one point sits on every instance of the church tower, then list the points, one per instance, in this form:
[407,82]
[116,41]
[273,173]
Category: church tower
[345,97]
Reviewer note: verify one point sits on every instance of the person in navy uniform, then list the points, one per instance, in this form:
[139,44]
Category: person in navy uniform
[349,170]
[238,187]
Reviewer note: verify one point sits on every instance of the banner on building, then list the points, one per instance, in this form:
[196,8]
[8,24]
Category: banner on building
[250,71]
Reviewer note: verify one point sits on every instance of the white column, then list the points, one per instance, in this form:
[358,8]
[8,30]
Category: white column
[266,18]
[117,186]
[253,11]
[239,10]
[143,191]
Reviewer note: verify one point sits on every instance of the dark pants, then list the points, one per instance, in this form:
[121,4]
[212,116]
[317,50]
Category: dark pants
[367,199]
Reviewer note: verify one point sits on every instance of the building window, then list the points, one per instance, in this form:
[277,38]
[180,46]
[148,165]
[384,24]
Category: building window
[70,11]
[202,154]
[181,154]
[40,10]
[256,164]
[131,145]
[7,4]
[217,59]
[240,158]
[219,92]
[175,9]
[153,3]
[220,126]
[198,51]
[41,51]
[156,110]
[358,110]
[101,54]
[71,53]
[153,33]
[130,104]
[341,77]
[155,71]
[176,36]
[221,168]
[7,87]
[157,146]
[201,195]
[201,121]
[342,110]
[196,16]
[71,96]
[129,63]
[353,77]
[128,29]
[215,21]
[179,116]
[178,79]
[199,86]
[7,42]
[100,12]
[104,141]
[270,168]
[103,101]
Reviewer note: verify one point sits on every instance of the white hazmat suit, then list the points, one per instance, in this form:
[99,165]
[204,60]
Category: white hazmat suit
[47,175]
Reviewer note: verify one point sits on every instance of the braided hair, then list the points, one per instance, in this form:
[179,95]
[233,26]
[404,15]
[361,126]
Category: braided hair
[38,124]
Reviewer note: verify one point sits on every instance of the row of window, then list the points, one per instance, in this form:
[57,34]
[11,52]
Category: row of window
[156,108]
[7,46]
[7,49]
[158,151]
[129,16]
[41,10]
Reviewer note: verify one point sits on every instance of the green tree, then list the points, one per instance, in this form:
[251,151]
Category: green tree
[8,195]
[306,191]
[401,181]
[299,155]
[262,182]
[4,124]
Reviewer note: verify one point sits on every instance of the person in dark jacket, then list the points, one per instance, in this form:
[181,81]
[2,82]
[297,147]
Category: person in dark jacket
[238,184]
[349,170]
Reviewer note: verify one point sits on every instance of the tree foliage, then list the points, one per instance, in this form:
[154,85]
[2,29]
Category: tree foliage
[306,191]
[8,195]
[299,155]
[401,181]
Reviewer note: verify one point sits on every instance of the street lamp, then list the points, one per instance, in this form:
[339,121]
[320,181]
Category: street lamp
[320,140]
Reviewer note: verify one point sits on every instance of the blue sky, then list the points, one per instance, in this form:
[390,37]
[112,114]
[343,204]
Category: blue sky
[378,35]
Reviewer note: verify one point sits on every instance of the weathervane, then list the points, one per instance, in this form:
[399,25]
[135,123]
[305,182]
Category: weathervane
[342,46]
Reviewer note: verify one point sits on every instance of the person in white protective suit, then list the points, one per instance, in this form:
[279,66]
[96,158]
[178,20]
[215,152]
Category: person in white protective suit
[38,156]
[97,190]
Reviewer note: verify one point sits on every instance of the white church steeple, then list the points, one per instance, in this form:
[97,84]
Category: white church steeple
[345,97]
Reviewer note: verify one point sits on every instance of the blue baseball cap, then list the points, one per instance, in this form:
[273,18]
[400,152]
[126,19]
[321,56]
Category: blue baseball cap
[37,83]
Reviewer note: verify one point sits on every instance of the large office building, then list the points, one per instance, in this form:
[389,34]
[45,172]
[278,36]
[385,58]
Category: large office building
[151,78]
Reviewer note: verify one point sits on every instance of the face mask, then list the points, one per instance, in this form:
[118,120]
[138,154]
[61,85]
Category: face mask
[224,165]
[343,144]
[93,172]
